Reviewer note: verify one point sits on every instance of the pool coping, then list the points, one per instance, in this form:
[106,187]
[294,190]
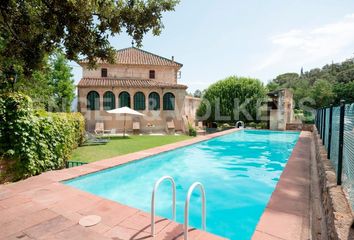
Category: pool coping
[288,212]
[31,205]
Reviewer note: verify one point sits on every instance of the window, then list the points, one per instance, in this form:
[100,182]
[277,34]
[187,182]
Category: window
[152,74]
[169,101]
[124,99]
[109,101]
[104,72]
[139,101]
[93,101]
[154,101]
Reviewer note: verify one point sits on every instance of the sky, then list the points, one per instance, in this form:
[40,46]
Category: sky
[214,39]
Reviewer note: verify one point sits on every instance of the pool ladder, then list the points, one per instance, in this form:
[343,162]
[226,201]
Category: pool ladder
[186,206]
[240,126]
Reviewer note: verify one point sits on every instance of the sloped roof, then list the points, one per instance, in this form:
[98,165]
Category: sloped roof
[136,56]
[127,83]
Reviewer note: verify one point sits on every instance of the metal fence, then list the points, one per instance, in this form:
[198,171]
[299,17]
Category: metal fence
[336,128]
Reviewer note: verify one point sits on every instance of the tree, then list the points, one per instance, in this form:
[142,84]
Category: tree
[344,91]
[62,82]
[30,30]
[52,88]
[233,97]
[197,93]
[322,93]
[326,85]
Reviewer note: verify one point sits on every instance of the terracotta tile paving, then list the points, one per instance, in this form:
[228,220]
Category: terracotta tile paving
[42,208]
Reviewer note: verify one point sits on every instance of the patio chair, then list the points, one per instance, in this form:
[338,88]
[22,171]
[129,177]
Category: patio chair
[170,126]
[136,126]
[91,139]
[99,128]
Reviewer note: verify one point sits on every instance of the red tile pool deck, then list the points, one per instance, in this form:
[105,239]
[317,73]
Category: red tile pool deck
[42,208]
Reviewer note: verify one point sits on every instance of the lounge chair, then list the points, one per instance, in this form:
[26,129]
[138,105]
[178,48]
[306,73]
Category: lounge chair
[99,128]
[170,126]
[91,139]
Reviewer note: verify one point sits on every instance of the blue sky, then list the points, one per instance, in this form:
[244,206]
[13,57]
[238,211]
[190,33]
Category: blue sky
[256,38]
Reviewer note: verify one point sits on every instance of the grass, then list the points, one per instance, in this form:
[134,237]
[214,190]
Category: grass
[119,146]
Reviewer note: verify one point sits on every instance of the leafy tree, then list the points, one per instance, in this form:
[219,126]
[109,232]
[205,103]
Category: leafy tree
[272,86]
[344,91]
[62,82]
[30,30]
[232,95]
[197,93]
[52,88]
[322,93]
[333,81]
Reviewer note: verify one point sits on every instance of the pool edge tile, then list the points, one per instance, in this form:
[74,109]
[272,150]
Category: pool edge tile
[279,220]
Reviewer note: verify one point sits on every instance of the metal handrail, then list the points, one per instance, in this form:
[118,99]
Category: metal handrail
[242,124]
[186,208]
[157,184]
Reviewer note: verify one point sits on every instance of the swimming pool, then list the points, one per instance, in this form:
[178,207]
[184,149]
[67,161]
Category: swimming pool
[239,172]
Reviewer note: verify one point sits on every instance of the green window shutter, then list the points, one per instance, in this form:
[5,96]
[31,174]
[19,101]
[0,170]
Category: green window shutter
[109,101]
[93,101]
[124,99]
[154,101]
[139,101]
[169,101]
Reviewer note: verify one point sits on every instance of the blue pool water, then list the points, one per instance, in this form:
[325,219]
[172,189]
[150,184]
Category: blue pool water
[239,172]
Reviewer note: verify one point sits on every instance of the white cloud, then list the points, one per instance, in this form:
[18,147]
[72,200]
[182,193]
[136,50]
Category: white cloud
[300,47]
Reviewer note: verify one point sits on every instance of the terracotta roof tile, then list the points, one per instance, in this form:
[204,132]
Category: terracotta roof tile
[140,83]
[136,56]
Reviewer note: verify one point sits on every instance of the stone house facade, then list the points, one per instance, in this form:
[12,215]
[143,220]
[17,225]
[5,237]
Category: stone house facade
[140,80]
[280,109]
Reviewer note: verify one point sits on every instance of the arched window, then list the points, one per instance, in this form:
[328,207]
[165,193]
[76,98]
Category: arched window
[109,101]
[169,101]
[124,99]
[154,101]
[139,101]
[93,101]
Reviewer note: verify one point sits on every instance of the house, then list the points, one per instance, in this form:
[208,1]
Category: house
[140,80]
[280,109]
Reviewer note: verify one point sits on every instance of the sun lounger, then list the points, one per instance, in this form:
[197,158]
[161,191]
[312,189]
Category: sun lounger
[91,139]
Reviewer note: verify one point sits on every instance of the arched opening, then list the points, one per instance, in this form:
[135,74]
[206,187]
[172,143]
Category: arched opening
[139,101]
[93,101]
[124,99]
[109,101]
[154,101]
[169,101]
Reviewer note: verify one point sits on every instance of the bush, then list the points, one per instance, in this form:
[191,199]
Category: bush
[223,94]
[192,131]
[32,141]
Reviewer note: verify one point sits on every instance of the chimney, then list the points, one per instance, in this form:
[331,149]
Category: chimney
[173,58]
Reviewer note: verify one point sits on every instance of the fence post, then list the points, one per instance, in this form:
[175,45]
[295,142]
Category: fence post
[330,132]
[324,126]
[341,138]
[322,123]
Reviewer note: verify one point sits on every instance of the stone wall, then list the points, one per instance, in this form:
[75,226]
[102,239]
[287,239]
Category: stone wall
[338,213]
[299,127]
[162,73]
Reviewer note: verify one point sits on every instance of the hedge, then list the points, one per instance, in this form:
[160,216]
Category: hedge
[31,141]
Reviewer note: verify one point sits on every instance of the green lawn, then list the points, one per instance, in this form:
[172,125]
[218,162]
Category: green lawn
[119,146]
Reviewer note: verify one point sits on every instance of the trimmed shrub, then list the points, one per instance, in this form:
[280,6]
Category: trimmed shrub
[227,96]
[192,131]
[32,142]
